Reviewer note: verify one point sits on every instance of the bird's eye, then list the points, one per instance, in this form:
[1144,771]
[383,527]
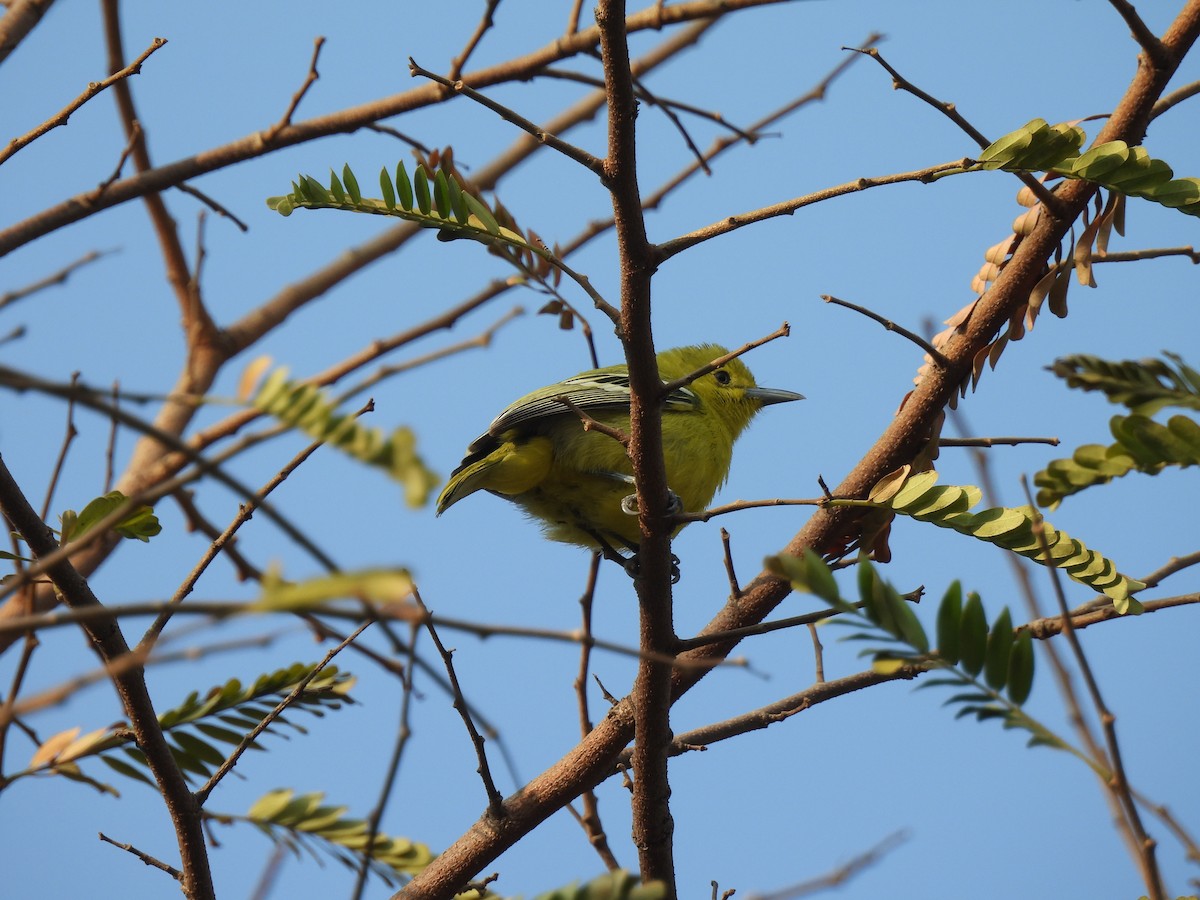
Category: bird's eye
[721,376]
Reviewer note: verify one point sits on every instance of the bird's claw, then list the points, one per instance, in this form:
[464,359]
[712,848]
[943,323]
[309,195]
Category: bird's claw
[633,567]
[629,504]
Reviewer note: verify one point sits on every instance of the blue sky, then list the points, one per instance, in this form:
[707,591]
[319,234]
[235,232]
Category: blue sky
[985,817]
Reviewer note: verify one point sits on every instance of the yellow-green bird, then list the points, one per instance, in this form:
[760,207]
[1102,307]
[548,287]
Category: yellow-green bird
[579,483]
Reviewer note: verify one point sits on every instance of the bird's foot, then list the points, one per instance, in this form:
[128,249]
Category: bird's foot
[629,504]
[633,567]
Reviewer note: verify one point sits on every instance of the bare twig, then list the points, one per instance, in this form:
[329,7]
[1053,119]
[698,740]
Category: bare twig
[1141,32]
[110,448]
[747,135]
[1119,785]
[226,767]
[59,277]
[135,135]
[731,223]
[403,733]
[68,439]
[739,505]
[782,331]
[8,709]
[591,424]
[933,352]
[144,857]
[996,441]
[735,589]
[213,205]
[590,817]
[495,800]
[268,136]
[1174,98]
[456,65]
[17,143]
[950,111]
[818,652]
[841,874]
[578,154]
[399,135]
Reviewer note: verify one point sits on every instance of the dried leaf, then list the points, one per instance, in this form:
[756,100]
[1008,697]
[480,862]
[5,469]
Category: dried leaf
[48,752]
[250,376]
[1058,293]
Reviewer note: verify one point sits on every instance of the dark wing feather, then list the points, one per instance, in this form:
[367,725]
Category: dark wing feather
[590,392]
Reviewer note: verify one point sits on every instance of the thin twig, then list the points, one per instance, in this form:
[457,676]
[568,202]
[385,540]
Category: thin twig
[839,876]
[59,277]
[1120,783]
[578,154]
[196,521]
[213,205]
[110,448]
[590,817]
[268,136]
[950,111]
[1174,98]
[68,438]
[144,857]
[782,331]
[786,208]
[17,143]
[495,799]
[739,505]
[226,767]
[218,609]
[747,135]
[996,441]
[8,711]
[456,64]
[1141,32]
[403,733]
[933,352]
[131,142]
[399,135]
[573,18]
[735,588]
[591,424]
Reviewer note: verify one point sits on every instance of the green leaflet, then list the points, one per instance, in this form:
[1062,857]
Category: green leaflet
[967,647]
[308,409]
[139,523]
[1039,147]
[616,885]
[1009,527]
[1144,386]
[192,727]
[1141,445]
[440,201]
[375,585]
[302,820]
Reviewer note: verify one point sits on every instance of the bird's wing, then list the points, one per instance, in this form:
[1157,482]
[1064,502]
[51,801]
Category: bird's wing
[590,392]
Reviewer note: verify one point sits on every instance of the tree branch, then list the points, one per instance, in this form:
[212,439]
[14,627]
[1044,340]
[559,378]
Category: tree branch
[593,757]
[130,682]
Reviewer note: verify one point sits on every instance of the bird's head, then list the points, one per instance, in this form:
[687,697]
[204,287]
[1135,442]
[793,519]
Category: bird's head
[730,392]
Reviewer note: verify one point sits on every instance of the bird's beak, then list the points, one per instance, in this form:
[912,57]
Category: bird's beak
[767,396]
